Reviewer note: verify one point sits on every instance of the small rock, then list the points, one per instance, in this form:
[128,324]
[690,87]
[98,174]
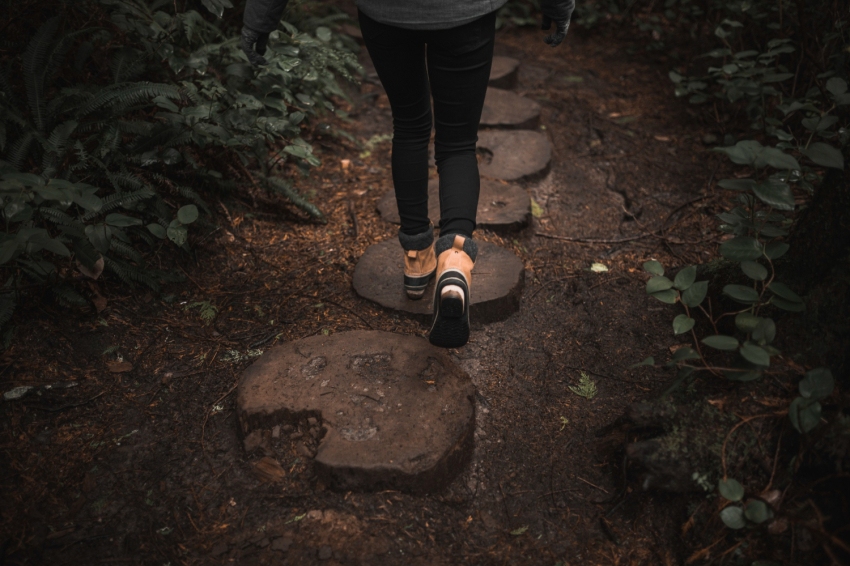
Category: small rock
[263,542]
[312,421]
[709,139]
[219,549]
[119,367]
[302,450]
[325,553]
[276,431]
[296,435]
[253,440]
[17,392]
[282,544]
[315,515]
[288,428]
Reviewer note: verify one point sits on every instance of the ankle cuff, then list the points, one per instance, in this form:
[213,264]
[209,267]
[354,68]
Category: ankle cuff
[445,242]
[416,242]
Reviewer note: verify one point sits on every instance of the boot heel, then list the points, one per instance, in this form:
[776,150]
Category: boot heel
[451,301]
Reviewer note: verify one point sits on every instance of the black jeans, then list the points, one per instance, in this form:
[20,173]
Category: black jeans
[453,65]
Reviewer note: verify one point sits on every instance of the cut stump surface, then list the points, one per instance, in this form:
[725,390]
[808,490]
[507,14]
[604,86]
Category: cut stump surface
[396,411]
[497,282]
[506,109]
[512,155]
[501,207]
[504,73]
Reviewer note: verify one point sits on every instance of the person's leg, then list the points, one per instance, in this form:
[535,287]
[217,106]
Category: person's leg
[399,58]
[459,61]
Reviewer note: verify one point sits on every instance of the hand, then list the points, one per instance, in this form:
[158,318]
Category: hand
[561,27]
[249,40]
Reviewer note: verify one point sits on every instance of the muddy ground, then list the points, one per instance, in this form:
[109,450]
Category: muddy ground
[141,462]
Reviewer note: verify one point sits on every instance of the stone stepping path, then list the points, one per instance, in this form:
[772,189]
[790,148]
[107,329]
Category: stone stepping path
[514,154]
[396,412]
[504,72]
[497,282]
[506,109]
[502,207]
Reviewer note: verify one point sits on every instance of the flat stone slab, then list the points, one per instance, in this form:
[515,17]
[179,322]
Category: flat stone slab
[497,282]
[512,155]
[502,207]
[506,109]
[504,72]
[397,413]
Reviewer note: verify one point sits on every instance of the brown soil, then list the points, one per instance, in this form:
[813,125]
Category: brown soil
[144,464]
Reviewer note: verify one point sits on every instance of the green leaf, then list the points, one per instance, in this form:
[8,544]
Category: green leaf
[56,247]
[695,294]
[742,376]
[720,342]
[536,210]
[733,517]
[783,291]
[122,221]
[757,511]
[746,321]
[100,236]
[775,194]
[743,153]
[323,33]
[669,296]
[519,531]
[737,184]
[741,293]
[754,270]
[7,250]
[818,384]
[177,233]
[187,214]
[685,353]
[682,323]
[650,361]
[658,283]
[741,248]
[755,355]
[824,155]
[731,489]
[836,86]
[776,158]
[653,267]
[790,306]
[775,250]
[765,331]
[804,414]
[685,278]
[157,231]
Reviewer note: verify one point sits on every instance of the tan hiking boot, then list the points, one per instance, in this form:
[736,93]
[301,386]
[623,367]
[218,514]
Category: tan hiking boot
[455,259]
[420,262]
[419,268]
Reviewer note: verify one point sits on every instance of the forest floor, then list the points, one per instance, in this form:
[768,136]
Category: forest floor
[127,450]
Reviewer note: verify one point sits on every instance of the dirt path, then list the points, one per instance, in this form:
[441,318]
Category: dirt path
[145,466]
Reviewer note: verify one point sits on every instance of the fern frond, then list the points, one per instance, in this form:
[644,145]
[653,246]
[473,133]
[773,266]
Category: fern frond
[280,186]
[67,296]
[127,251]
[158,137]
[188,193]
[57,143]
[127,182]
[116,200]
[7,307]
[135,127]
[20,149]
[127,94]
[130,274]
[6,88]
[34,62]
[126,65]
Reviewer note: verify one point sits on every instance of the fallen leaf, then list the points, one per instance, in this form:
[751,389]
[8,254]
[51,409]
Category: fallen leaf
[662,138]
[119,367]
[95,271]
[268,469]
[599,268]
[99,303]
[536,209]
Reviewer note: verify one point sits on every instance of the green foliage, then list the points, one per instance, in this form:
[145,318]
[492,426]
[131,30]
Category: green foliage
[95,155]
[586,387]
[206,310]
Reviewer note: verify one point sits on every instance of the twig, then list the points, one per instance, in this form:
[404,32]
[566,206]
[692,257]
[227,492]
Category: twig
[591,240]
[591,484]
[354,225]
[744,421]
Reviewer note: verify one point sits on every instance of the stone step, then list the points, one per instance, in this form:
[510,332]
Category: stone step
[497,282]
[512,155]
[505,72]
[506,109]
[396,412]
[502,207]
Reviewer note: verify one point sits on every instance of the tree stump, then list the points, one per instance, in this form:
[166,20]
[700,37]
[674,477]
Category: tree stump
[497,282]
[396,412]
[502,207]
[506,109]
[513,154]
[504,72]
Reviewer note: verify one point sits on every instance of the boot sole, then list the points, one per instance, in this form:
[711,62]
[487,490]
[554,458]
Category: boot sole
[451,311]
[415,286]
